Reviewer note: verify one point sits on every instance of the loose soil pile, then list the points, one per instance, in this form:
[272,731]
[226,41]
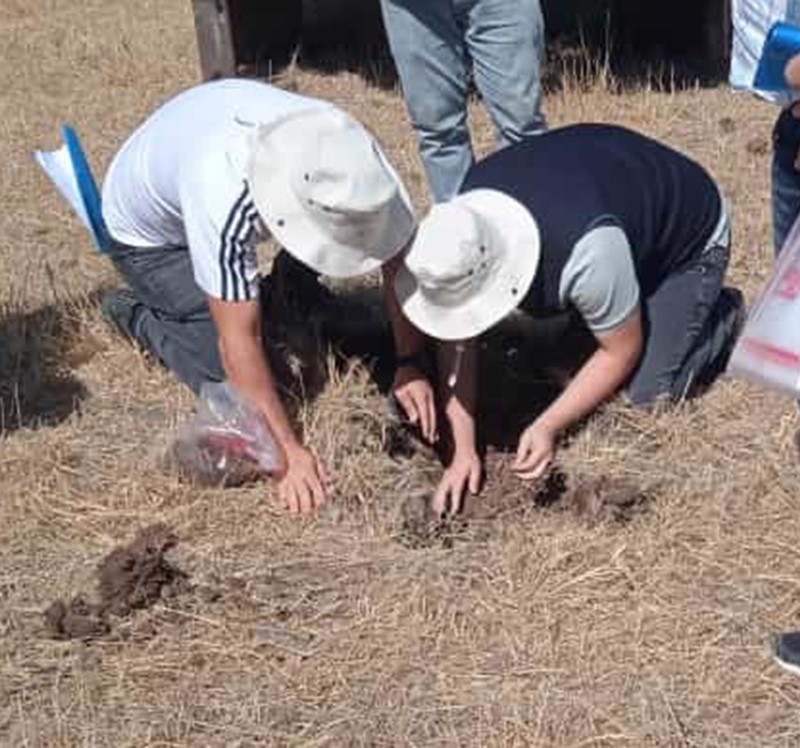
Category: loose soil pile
[593,498]
[596,498]
[130,577]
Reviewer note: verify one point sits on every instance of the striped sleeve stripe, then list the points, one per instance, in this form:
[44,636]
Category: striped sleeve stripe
[237,254]
[235,249]
[252,230]
[237,230]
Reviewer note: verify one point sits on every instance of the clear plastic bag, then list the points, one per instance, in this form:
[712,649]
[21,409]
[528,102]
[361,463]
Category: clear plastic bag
[227,442]
[768,349]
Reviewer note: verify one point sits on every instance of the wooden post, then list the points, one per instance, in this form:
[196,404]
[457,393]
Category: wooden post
[212,20]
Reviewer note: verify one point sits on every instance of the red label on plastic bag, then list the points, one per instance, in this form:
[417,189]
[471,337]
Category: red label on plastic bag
[773,353]
[230,444]
[789,284]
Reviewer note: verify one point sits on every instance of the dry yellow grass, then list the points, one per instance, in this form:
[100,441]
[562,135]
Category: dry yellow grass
[536,628]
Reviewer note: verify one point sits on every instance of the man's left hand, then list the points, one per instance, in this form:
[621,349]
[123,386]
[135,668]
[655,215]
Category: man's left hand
[535,452]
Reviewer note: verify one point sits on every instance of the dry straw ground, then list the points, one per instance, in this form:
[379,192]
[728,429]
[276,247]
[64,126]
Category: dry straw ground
[534,627]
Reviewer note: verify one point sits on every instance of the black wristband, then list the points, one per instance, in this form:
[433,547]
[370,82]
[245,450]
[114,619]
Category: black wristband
[417,360]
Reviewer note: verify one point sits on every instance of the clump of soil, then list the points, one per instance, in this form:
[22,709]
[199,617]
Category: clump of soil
[130,577]
[420,527]
[76,619]
[758,146]
[398,441]
[595,498]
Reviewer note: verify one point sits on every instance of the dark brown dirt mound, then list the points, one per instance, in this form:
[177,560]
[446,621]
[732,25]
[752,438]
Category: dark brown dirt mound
[130,577]
[76,619]
[595,498]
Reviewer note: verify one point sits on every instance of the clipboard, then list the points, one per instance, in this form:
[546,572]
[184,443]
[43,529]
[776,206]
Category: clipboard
[68,169]
[782,43]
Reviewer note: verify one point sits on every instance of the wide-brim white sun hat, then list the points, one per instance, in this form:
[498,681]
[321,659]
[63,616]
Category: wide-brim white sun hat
[471,263]
[327,192]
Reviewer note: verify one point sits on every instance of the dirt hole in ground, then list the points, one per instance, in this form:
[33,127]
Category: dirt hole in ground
[130,577]
[594,498]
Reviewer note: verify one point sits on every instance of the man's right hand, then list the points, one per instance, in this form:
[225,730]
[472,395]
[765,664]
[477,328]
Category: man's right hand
[463,474]
[303,486]
[417,399]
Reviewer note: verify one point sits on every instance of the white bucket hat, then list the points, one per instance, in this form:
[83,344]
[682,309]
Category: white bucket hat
[328,194]
[472,262]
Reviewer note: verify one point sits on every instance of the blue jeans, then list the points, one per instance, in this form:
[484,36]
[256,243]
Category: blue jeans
[433,42]
[171,319]
[785,176]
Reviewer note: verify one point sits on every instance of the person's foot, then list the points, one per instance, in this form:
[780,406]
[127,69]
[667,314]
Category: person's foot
[786,651]
[119,310]
[728,320]
[732,314]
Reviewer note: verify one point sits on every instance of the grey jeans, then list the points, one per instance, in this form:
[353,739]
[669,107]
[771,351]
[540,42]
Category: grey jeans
[690,322]
[433,43]
[171,319]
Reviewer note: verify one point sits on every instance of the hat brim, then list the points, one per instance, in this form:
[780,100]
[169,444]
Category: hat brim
[287,219]
[503,291]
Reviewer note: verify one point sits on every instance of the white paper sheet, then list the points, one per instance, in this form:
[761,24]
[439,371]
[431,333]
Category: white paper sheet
[58,167]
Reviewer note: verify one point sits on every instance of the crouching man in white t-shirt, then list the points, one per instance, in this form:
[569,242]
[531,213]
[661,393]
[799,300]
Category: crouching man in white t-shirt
[191,192]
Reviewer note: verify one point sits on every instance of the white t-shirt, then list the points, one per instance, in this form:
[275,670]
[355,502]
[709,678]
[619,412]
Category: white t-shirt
[752,19]
[180,181]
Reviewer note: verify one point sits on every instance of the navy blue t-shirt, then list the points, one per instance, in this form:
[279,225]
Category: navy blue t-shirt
[584,176]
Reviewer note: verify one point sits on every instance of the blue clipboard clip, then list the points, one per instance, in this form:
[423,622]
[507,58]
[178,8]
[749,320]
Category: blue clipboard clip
[782,43]
[87,188]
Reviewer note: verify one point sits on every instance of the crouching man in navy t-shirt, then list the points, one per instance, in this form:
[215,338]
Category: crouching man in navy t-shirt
[630,234]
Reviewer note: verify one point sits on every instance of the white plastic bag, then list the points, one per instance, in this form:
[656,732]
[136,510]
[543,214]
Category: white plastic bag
[768,349]
[227,442]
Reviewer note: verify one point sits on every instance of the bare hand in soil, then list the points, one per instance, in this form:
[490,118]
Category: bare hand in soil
[537,447]
[304,486]
[415,395]
[464,473]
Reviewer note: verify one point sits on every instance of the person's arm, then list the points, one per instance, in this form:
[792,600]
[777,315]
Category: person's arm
[600,282]
[608,367]
[302,482]
[792,72]
[458,383]
[411,386]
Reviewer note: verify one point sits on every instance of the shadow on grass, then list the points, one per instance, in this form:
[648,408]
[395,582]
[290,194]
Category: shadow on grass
[524,362]
[38,351]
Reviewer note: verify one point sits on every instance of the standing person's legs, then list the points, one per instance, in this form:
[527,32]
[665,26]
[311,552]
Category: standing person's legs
[166,312]
[428,48]
[690,324]
[505,39]
[785,176]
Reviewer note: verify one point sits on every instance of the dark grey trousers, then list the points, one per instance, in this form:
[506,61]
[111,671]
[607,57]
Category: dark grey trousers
[171,319]
[689,323]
